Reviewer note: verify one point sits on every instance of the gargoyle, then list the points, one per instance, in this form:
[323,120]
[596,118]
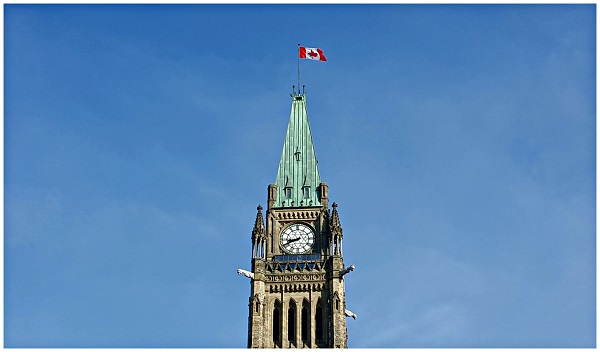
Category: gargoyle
[347,270]
[245,273]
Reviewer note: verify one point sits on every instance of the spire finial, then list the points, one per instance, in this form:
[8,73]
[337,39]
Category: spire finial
[334,222]
[259,224]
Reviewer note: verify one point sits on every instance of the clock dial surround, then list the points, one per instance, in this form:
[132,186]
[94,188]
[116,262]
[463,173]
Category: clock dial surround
[297,239]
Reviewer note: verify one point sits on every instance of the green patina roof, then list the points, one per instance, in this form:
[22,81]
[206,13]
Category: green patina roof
[298,166]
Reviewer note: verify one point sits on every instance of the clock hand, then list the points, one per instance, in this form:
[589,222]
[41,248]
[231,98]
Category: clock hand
[294,240]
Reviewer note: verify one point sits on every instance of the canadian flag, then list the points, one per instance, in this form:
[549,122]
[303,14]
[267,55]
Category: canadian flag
[312,54]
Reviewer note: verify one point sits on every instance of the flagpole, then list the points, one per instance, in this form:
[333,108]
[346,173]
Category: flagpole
[298,55]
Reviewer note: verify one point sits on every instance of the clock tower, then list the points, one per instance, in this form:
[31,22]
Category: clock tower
[297,296]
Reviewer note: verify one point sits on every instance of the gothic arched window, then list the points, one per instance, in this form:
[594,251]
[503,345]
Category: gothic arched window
[292,322]
[319,323]
[276,322]
[304,323]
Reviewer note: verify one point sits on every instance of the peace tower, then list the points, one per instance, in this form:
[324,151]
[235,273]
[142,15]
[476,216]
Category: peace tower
[297,296]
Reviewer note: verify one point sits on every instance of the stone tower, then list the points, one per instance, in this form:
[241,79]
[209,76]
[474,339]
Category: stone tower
[297,294]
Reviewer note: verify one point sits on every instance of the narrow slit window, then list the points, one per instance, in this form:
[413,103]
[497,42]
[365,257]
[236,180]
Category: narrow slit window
[276,324]
[319,324]
[288,192]
[304,324]
[291,324]
[306,191]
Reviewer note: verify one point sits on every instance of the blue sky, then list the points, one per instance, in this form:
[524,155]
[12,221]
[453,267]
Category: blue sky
[458,142]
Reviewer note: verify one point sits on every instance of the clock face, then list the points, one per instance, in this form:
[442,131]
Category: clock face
[297,239]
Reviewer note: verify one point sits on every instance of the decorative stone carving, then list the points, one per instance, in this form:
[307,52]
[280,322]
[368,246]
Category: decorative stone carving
[306,287]
[297,215]
[245,273]
[347,270]
[350,314]
[295,278]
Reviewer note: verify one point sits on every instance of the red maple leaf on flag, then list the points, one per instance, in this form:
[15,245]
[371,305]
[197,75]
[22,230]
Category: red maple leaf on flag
[311,53]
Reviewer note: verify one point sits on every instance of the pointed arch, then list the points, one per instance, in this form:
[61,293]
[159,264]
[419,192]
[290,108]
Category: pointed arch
[276,326]
[337,301]
[305,321]
[291,322]
[256,304]
[319,321]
